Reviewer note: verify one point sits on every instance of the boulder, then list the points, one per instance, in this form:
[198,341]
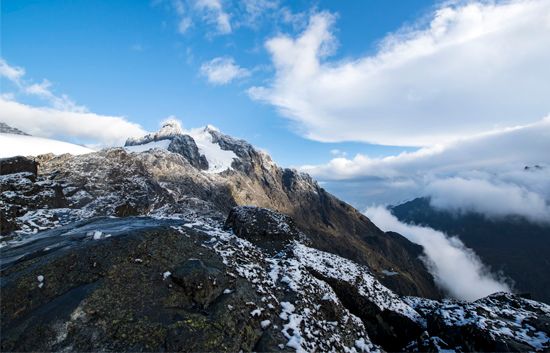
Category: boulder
[18,164]
[202,283]
[265,228]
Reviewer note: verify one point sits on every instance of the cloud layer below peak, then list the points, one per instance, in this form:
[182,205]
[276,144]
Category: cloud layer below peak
[474,67]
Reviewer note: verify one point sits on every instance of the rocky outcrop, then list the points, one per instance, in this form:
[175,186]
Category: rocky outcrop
[186,146]
[501,322]
[26,198]
[267,229]
[18,165]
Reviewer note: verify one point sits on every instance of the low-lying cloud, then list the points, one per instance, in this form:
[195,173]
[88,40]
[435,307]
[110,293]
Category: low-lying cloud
[484,174]
[494,199]
[456,269]
[472,67]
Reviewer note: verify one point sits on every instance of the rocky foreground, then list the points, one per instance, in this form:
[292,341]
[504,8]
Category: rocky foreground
[156,247]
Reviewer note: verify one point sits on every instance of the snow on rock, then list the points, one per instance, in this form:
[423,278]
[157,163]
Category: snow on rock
[219,160]
[21,145]
[336,267]
[500,317]
[162,144]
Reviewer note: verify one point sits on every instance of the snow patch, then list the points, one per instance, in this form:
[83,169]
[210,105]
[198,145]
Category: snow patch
[21,145]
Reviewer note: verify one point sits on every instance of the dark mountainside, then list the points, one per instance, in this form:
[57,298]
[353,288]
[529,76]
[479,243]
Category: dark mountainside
[169,249]
[515,246]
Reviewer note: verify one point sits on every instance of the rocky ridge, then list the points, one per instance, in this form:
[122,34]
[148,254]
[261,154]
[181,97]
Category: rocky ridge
[149,252]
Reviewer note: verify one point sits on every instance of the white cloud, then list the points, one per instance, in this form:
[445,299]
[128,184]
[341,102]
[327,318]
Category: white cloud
[455,268]
[495,199]
[214,13]
[222,70]
[483,174]
[62,117]
[52,122]
[474,67]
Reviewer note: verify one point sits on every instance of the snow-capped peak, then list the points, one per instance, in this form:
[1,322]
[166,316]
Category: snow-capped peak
[170,127]
[218,159]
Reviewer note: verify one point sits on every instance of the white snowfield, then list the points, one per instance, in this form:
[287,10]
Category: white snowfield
[218,160]
[21,145]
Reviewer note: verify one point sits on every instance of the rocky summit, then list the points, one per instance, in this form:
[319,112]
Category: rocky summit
[196,241]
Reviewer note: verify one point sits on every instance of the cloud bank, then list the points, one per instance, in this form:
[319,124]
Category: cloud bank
[455,268]
[483,174]
[475,66]
[60,117]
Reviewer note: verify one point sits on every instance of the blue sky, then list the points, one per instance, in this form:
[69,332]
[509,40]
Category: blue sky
[127,58]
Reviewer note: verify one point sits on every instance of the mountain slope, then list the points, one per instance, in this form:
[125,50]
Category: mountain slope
[166,249]
[513,245]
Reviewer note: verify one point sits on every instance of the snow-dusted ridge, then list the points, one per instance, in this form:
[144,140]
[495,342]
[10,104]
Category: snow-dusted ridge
[218,159]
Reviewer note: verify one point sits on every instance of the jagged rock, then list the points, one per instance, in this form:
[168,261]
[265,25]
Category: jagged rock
[263,227]
[501,322]
[201,282]
[18,165]
[186,146]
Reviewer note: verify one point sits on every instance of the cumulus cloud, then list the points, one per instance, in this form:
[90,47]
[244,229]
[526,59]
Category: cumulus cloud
[475,66]
[222,70]
[60,117]
[455,267]
[482,174]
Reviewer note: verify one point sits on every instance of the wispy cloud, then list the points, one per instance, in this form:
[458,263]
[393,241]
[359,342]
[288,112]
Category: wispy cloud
[61,116]
[222,70]
[213,12]
[455,268]
[475,66]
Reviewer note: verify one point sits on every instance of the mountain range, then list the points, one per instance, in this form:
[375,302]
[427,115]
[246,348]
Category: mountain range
[196,241]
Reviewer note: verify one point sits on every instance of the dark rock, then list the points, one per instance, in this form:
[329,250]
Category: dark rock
[200,282]
[186,146]
[268,229]
[96,297]
[126,210]
[386,328]
[18,165]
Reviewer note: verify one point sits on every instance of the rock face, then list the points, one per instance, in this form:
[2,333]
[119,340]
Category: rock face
[186,146]
[269,230]
[18,165]
[148,251]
